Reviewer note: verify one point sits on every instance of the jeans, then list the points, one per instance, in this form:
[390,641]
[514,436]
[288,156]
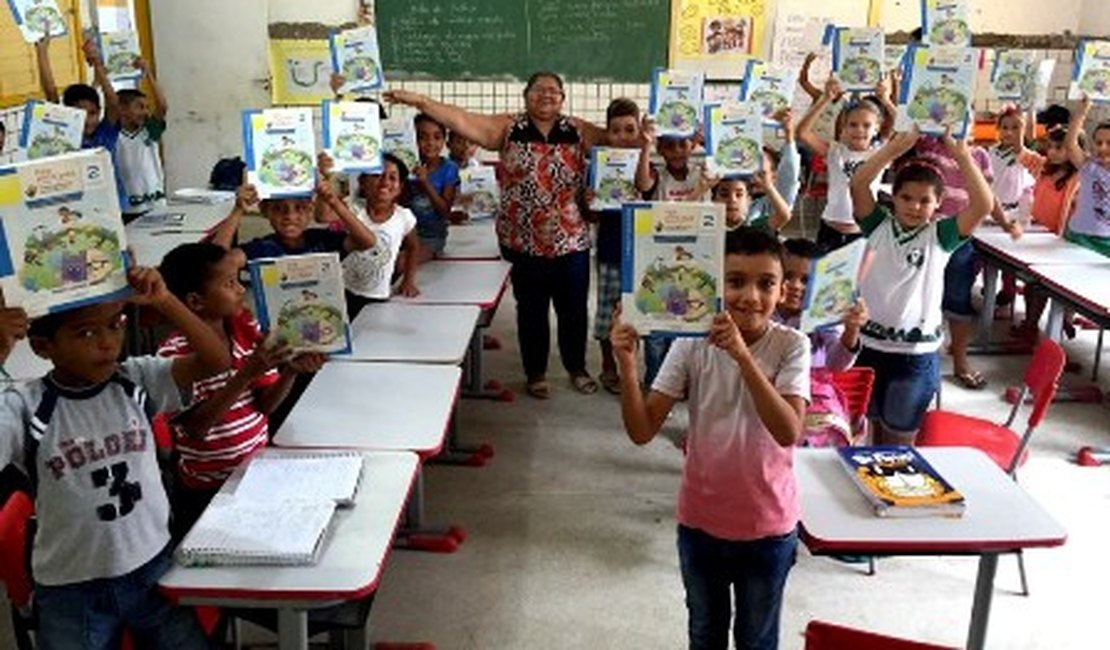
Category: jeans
[656,347]
[959,278]
[904,386]
[755,571]
[91,615]
[539,283]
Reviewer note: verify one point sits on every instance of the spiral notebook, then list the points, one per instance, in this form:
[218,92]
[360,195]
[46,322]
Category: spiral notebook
[306,475]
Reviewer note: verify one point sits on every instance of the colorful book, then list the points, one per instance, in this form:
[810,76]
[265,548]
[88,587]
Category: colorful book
[1091,75]
[938,85]
[734,138]
[51,129]
[770,87]
[672,272]
[613,177]
[62,243]
[399,137]
[1036,90]
[859,55]
[301,299]
[833,281]
[944,22]
[355,55]
[676,102]
[479,195]
[353,136]
[281,152]
[898,482]
[119,50]
[894,57]
[37,17]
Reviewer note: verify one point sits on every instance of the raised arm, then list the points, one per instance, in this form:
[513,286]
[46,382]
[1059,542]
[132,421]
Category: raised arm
[1076,154]
[487,131]
[100,75]
[803,77]
[980,197]
[594,135]
[246,197]
[161,106]
[863,201]
[890,111]
[359,235]
[787,175]
[806,135]
[645,175]
[46,71]
[780,210]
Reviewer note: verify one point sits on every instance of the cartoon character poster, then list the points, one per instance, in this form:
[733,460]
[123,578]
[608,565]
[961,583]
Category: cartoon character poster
[51,129]
[119,50]
[833,281]
[479,195]
[734,139]
[300,72]
[770,87]
[353,136]
[63,235]
[37,17]
[673,266]
[613,177]
[676,102]
[716,37]
[355,56]
[280,149]
[937,89]
[1091,76]
[300,299]
[858,57]
[945,22]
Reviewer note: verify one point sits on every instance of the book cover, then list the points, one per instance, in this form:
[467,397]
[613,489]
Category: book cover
[833,281]
[1036,88]
[1091,74]
[770,87]
[51,129]
[944,22]
[300,298]
[355,55]
[280,152]
[62,241]
[37,17]
[399,136]
[675,103]
[673,266]
[353,136]
[613,177]
[479,195]
[899,482]
[734,138]
[938,85]
[894,57]
[119,50]
[859,54]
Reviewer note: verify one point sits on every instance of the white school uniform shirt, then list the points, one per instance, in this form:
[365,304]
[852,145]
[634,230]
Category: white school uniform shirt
[140,167]
[1013,184]
[369,273]
[669,188]
[842,164]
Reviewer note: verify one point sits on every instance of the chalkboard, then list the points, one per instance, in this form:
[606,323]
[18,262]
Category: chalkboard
[595,40]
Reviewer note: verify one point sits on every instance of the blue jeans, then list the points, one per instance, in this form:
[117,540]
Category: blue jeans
[91,615]
[656,347]
[756,573]
[959,278]
[905,384]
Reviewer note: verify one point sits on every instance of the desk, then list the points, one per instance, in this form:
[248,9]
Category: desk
[445,282]
[1083,287]
[160,231]
[476,240]
[1000,517]
[349,567]
[394,332]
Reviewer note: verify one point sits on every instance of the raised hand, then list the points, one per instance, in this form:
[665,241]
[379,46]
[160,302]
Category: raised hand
[147,285]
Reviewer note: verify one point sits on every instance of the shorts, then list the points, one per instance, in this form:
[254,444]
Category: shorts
[904,386]
[959,278]
[608,294]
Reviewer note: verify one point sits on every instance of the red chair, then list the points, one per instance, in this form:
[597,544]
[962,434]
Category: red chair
[856,384]
[827,636]
[999,441]
[15,517]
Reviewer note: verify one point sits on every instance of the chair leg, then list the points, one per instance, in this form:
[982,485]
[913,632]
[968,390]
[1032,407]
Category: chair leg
[21,630]
[1021,572]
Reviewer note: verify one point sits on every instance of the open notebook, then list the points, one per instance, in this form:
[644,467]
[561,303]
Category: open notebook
[307,475]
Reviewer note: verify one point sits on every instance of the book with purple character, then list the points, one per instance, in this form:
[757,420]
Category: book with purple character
[37,17]
[353,136]
[613,177]
[770,87]
[300,299]
[399,136]
[119,50]
[355,55]
[859,55]
[280,146]
[734,138]
[1091,75]
[938,85]
[51,129]
[945,22]
[676,102]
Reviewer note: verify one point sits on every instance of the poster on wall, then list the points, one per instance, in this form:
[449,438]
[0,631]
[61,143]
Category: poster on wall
[300,72]
[717,36]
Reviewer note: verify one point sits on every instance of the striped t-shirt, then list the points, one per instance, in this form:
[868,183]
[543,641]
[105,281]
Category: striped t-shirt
[205,463]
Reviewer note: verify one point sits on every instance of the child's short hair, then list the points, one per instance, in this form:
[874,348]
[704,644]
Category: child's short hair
[76,93]
[621,107]
[187,268]
[803,248]
[747,240]
[129,96]
[1010,110]
[47,325]
[1101,126]
[424,118]
[919,171]
[724,183]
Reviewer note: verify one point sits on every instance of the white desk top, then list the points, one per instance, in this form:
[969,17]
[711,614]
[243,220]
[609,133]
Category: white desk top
[150,246]
[390,331]
[1087,283]
[476,240]
[1037,248]
[24,365]
[1000,515]
[460,283]
[350,562]
[150,238]
[374,406]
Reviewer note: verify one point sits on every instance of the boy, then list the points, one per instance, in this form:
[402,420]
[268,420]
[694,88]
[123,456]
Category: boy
[140,161]
[82,434]
[462,150]
[747,384]
[98,132]
[677,180]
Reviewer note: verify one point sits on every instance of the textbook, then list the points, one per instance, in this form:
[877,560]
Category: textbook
[770,87]
[479,195]
[36,17]
[1010,73]
[938,85]
[280,152]
[399,136]
[62,242]
[833,281]
[734,139]
[353,136]
[51,129]
[859,55]
[301,299]
[672,272]
[355,55]
[119,50]
[613,177]
[898,482]
[944,22]
[304,475]
[675,104]
[1091,75]
[894,57]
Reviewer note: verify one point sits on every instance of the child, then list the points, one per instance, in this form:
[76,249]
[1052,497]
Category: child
[746,385]
[462,151]
[1090,225]
[98,132]
[138,153]
[782,169]
[227,422]
[741,208]
[903,285]
[1013,183]
[1057,181]
[434,187]
[82,434]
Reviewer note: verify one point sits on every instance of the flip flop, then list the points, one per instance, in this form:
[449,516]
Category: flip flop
[584,384]
[610,382]
[972,380]
[539,389]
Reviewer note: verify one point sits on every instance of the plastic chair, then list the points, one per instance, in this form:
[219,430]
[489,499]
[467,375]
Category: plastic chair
[15,519]
[856,384]
[827,636]
[999,441]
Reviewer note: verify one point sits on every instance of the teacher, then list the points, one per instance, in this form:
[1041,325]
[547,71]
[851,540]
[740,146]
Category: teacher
[540,225]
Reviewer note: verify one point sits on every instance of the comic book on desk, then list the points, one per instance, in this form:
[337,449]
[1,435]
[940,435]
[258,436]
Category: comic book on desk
[301,299]
[898,482]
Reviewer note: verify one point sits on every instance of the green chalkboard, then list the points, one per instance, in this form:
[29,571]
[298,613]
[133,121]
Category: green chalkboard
[595,40]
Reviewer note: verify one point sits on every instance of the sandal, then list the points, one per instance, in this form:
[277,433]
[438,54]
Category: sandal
[583,383]
[539,389]
[971,379]
[611,382]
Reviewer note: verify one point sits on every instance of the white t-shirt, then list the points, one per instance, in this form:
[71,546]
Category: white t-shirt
[1013,184]
[669,188]
[842,164]
[368,273]
[140,167]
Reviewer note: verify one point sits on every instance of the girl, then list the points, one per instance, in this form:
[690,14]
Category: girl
[1012,184]
[436,179]
[1090,225]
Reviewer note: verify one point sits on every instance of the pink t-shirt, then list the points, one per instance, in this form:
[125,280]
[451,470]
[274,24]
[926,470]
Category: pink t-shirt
[738,483]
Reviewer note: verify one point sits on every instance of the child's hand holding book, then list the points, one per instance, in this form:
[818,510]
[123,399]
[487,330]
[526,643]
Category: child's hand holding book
[624,338]
[726,335]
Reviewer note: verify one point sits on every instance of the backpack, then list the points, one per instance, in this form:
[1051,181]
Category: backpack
[227,174]
[827,422]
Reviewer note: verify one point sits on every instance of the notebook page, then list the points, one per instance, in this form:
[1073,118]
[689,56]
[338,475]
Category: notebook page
[230,528]
[307,476]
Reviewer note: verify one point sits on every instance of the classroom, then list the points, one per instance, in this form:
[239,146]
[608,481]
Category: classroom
[529,324]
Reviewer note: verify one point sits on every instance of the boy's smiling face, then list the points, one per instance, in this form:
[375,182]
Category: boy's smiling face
[288,217]
[753,288]
[624,132]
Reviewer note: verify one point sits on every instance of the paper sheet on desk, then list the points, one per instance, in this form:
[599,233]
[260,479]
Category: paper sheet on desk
[306,475]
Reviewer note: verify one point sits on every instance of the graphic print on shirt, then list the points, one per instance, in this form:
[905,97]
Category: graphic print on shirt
[368,268]
[849,167]
[1101,196]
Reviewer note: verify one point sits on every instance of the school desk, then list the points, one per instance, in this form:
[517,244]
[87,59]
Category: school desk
[23,365]
[395,332]
[1084,288]
[349,567]
[163,229]
[1000,518]
[474,240]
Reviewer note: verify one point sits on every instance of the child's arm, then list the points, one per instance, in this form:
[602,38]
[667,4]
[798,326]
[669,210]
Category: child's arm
[843,353]
[863,201]
[646,177]
[981,200]
[246,197]
[161,106]
[321,210]
[411,243]
[486,130]
[46,71]
[267,399]
[803,77]
[780,211]
[890,111]
[787,180]
[999,216]
[441,203]
[100,75]
[705,185]
[359,236]
[642,417]
[336,82]
[805,134]
[13,326]
[1071,142]
[592,134]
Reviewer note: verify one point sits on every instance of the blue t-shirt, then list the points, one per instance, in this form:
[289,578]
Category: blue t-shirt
[430,225]
[316,240]
[106,135]
[609,237]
